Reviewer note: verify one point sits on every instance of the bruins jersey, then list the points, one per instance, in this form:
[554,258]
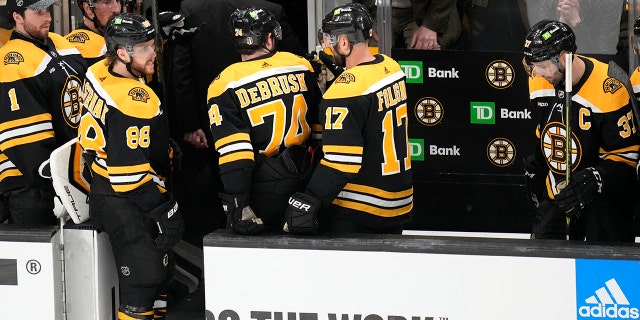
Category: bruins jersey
[602,126]
[365,174]
[40,88]
[91,45]
[261,106]
[124,131]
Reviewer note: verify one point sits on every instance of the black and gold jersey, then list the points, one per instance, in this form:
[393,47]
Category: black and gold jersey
[365,174]
[603,131]
[635,82]
[40,88]
[124,129]
[91,45]
[261,106]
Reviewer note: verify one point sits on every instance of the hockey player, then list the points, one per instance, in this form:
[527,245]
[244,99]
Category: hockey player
[123,133]
[363,183]
[89,36]
[261,111]
[40,82]
[598,200]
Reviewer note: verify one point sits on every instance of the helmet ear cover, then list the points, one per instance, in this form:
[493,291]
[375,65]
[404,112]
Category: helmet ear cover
[126,30]
[352,20]
[251,26]
[547,39]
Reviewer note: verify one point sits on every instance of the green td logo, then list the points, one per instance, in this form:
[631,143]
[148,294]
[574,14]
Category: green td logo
[412,70]
[416,147]
[483,112]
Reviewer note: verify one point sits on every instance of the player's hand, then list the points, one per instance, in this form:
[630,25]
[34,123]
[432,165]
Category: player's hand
[301,216]
[583,188]
[170,223]
[240,217]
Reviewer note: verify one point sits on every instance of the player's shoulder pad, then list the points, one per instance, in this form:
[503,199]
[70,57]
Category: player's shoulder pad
[21,60]
[364,79]
[600,92]
[89,43]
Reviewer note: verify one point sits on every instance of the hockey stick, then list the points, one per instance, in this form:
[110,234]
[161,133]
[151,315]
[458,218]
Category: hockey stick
[568,87]
[616,72]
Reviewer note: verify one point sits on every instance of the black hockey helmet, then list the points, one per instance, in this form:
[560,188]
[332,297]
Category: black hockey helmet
[128,29]
[636,27]
[250,27]
[351,19]
[547,39]
[92,4]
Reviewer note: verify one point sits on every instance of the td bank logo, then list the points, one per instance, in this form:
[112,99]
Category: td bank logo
[412,70]
[483,112]
[416,147]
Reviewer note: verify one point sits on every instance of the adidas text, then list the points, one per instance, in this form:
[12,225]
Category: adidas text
[612,312]
[451,151]
[447,74]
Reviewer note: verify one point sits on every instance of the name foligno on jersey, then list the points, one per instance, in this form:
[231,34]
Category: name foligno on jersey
[271,87]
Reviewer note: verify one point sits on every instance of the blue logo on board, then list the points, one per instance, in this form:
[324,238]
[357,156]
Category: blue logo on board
[607,289]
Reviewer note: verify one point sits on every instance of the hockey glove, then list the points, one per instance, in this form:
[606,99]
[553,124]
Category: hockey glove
[301,216]
[172,26]
[315,62]
[583,188]
[534,172]
[328,61]
[240,217]
[170,223]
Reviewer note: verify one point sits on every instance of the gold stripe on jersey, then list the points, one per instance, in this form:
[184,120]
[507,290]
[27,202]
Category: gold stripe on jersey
[125,178]
[627,155]
[7,168]
[89,43]
[25,131]
[375,201]
[279,74]
[234,147]
[342,158]
[539,87]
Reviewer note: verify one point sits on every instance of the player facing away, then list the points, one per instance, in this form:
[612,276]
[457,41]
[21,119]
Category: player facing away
[124,136]
[363,184]
[597,203]
[261,113]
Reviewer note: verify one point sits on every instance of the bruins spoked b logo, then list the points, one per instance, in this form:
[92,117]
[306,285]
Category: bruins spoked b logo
[500,74]
[72,101]
[429,111]
[501,152]
[554,146]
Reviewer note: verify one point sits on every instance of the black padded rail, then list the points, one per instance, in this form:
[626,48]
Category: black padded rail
[18,233]
[431,244]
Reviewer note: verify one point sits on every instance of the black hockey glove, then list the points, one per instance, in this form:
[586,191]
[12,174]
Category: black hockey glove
[240,217]
[534,173]
[172,26]
[328,61]
[170,223]
[175,156]
[584,187]
[549,222]
[301,216]
[315,62]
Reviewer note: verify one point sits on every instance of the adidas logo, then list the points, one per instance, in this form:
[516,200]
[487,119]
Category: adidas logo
[609,302]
